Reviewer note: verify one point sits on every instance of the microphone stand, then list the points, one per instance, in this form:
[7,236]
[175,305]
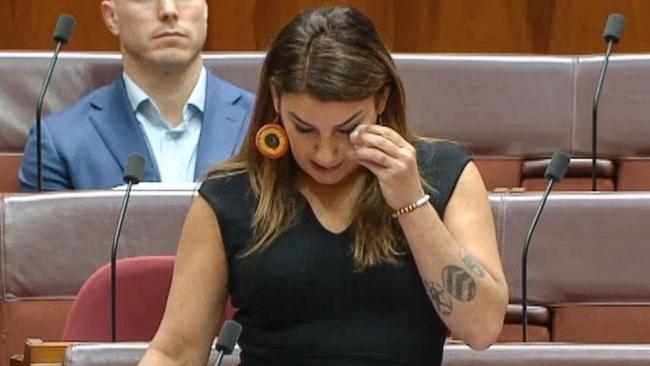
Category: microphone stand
[116,238]
[554,173]
[39,108]
[524,259]
[594,114]
[132,175]
[612,35]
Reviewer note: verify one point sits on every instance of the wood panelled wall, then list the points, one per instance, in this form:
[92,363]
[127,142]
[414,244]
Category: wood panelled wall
[463,26]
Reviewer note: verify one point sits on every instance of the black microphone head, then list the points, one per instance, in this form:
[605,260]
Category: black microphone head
[558,166]
[614,28]
[134,169]
[228,336]
[64,27]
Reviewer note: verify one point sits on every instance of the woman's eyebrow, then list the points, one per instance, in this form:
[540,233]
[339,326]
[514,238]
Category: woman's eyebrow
[348,120]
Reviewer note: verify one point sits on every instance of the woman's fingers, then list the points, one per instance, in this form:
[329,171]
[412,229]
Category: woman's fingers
[381,138]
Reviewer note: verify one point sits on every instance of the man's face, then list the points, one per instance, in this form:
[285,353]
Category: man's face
[164,33]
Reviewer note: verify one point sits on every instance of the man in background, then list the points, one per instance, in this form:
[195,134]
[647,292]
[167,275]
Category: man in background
[165,106]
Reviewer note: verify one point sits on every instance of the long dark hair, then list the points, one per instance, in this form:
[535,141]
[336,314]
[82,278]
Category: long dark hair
[333,54]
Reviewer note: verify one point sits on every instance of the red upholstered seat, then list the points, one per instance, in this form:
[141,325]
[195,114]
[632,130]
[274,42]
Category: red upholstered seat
[142,288]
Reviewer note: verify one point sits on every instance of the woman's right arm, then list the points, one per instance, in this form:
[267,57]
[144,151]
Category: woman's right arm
[197,295]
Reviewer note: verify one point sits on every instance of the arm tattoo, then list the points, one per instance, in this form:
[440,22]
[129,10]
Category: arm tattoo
[472,264]
[459,283]
[437,294]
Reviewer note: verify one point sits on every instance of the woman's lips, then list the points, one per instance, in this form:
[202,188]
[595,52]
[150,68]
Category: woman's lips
[321,168]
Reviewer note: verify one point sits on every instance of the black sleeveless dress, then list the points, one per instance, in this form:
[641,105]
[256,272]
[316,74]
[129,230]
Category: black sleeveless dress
[299,300]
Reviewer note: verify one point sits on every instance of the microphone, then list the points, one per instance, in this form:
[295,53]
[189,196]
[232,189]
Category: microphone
[62,32]
[63,29]
[228,337]
[132,175]
[612,35]
[554,173]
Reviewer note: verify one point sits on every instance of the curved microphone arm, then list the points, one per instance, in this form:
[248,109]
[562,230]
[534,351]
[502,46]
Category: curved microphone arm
[524,260]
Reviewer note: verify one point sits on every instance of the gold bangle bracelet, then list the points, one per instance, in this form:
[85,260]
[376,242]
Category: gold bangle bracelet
[408,208]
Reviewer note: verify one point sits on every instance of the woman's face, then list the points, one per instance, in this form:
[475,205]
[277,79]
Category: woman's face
[319,133]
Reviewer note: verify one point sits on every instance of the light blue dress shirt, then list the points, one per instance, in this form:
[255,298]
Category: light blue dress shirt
[174,149]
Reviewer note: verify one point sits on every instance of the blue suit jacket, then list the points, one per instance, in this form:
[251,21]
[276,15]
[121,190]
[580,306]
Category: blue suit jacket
[86,146]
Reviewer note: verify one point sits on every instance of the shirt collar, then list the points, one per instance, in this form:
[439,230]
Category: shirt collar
[137,96]
[197,98]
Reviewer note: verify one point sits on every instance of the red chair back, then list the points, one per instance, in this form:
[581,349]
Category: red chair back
[142,288]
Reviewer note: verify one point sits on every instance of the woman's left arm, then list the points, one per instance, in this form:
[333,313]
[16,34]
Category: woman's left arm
[458,261]
[456,255]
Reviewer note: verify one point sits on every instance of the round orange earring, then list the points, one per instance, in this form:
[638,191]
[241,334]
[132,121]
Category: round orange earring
[271,140]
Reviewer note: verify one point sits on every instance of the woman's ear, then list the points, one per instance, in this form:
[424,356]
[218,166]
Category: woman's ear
[382,99]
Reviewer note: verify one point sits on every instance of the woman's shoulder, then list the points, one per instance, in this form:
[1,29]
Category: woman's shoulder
[441,153]
[441,163]
[232,199]
[225,187]
[225,180]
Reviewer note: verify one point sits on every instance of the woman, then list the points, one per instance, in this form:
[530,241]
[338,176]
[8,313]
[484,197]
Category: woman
[341,237]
